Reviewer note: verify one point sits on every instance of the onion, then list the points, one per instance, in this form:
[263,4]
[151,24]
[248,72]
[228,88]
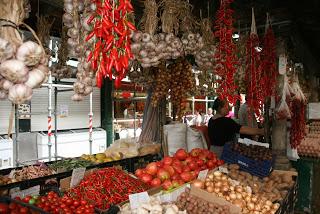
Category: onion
[250,206]
[30,53]
[218,184]
[239,189]
[6,50]
[216,189]
[238,203]
[217,173]
[20,93]
[233,196]
[14,70]
[210,189]
[275,206]
[198,183]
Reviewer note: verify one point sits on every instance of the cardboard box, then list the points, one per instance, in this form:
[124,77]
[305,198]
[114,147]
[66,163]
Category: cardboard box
[211,197]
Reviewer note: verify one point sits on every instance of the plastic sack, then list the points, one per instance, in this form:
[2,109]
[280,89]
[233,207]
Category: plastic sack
[195,139]
[283,111]
[292,154]
[175,137]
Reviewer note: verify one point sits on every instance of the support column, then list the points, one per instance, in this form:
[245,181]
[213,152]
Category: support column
[107,110]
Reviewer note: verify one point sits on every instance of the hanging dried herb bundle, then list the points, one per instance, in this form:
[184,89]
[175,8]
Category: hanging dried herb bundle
[13,13]
[170,16]
[206,31]
[43,30]
[187,20]
[149,21]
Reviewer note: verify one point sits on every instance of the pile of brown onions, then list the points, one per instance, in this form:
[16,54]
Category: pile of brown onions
[21,69]
[162,85]
[196,205]
[224,187]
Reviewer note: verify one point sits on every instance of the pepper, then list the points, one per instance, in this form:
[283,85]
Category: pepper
[90,19]
[90,35]
[131,26]
[99,80]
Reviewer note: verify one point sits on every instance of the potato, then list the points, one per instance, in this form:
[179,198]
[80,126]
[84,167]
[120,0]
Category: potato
[234,167]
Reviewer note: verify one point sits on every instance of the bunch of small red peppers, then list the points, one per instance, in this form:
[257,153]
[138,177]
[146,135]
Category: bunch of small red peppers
[111,51]
[225,55]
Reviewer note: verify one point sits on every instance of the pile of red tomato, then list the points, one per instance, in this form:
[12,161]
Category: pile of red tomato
[174,171]
[50,203]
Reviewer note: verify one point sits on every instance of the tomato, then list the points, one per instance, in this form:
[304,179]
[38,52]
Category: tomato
[87,211]
[170,169]
[32,201]
[69,201]
[203,157]
[167,185]
[146,178]
[186,176]
[4,208]
[83,202]
[189,160]
[210,164]
[43,199]
[152,168]
[138,172]
[156,182]
[186,169]
[195,152]
[200,162]
[76,203]
[27,199]
[163,174]
[181,154]
[12,206]
[177,168]
[23,210]
[167,160]
[159,164]
[63,206]
[175,177]
[193,165]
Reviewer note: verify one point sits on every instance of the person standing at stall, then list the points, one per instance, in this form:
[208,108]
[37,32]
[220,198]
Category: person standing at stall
[208,116]
[223,129]
[247,118]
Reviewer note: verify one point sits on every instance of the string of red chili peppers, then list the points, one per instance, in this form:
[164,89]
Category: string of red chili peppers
[111,52]
[225,55]
[298,123]
[253,76]
[106,187]
[268,64]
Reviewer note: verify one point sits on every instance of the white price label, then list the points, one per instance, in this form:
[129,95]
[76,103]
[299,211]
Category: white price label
[223,170]
[30,191]
[77,176]
[203,174]
[138,198]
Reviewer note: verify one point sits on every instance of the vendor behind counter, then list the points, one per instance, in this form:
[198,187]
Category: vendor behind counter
[222,129]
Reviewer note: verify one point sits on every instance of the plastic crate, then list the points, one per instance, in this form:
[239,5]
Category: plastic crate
[258,168]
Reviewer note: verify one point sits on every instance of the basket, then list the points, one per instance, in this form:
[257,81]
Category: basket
[258,168]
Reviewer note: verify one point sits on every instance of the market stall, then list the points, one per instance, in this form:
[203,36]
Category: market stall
[137,73]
